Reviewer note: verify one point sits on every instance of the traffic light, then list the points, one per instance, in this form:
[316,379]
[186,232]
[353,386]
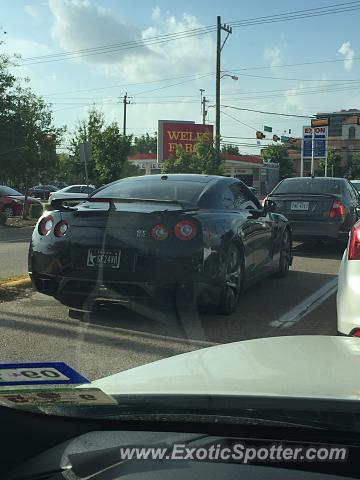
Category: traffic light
[276,138]
[260,135]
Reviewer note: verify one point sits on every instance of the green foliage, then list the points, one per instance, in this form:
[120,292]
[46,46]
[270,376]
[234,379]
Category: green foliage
[279,154]
[35,210]
[334,167]
[110,150]
[28,137]
[144,144]
[230,149]
[203,160]
[3,218]
[353,171]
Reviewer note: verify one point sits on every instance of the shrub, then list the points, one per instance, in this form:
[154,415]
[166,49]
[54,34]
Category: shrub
[35,210]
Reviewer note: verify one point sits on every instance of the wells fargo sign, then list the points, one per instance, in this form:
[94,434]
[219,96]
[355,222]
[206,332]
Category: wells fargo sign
[181,134]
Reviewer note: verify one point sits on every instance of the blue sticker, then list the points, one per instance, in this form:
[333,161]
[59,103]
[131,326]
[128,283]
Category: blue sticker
[39,373]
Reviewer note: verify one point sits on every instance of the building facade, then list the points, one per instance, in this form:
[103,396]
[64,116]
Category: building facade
[249,168]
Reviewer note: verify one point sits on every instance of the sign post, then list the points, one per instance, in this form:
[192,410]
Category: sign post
[85,154]
[314,146]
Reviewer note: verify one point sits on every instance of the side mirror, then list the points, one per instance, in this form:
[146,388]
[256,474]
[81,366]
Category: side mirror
[269,206]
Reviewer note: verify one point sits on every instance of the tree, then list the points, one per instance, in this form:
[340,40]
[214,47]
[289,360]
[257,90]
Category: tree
[203,159]
[279,154]
[230,149]
[144,144]
[353,171]
[334,167]
[110,150]
[28,137]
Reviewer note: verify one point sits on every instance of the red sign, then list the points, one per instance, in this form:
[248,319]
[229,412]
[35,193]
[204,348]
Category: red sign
[184,135]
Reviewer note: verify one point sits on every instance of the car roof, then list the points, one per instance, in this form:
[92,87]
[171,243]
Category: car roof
[325,179]
[188,177]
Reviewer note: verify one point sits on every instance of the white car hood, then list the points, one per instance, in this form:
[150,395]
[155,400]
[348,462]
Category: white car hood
[299,366]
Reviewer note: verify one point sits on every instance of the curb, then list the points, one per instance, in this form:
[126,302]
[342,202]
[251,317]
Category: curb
[16,283]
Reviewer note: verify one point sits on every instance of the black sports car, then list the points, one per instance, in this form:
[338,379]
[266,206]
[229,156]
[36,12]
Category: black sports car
[143,237]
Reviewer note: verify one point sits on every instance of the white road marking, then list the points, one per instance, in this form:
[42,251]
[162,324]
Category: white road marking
[294,315]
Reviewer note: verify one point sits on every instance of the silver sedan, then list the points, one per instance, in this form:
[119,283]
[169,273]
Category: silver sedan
[348,296]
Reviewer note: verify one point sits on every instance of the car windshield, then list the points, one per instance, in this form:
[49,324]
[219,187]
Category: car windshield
[309,185]
[187,191]
[199,254]
[8,191]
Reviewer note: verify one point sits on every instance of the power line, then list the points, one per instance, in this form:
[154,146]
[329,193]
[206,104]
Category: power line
[299,14]
[125,85]
[239,121]
[111,48]
[268,113]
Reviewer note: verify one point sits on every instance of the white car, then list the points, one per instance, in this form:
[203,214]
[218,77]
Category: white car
[348,296]
[72,191]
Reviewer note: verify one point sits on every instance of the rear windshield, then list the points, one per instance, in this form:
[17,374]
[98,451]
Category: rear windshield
[154,190]
[308,185]
[8,191]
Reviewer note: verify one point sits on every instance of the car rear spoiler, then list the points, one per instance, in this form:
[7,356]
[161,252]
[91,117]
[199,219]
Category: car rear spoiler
[59,203]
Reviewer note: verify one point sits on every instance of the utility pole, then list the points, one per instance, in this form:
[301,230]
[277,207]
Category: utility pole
[219,48]
[125,102]
[204,111]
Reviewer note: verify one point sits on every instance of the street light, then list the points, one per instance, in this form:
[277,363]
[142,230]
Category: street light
[233,77]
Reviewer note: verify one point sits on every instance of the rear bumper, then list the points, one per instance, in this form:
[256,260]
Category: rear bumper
[315,229]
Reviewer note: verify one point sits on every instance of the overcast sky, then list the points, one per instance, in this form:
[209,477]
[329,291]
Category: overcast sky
[164,80]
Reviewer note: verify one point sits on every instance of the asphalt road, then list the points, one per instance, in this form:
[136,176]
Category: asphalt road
[14,246]
[36,327]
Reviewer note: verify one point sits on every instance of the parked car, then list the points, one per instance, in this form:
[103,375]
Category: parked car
[72,191]
[12,201]
[356,184]
[42,191]
[59,184]
[317,207]
[348,295]
[149,236]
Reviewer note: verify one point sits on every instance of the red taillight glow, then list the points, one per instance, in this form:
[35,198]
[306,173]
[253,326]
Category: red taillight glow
[338,209]
[356,333]
[159,232]
[46,225]
[185,230]
[354,246]
[61,229]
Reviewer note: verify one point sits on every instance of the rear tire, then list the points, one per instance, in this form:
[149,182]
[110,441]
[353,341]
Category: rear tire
[234,274]
[285,256]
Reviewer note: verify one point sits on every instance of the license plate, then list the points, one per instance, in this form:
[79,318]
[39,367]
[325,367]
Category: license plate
[299,205]
[103,258]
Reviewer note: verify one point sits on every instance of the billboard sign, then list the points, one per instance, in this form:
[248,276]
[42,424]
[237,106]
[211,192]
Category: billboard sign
[173,134]
[314,137]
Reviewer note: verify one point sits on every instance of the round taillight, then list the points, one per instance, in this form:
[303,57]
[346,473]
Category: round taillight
[61,228]
[159,232]
[185,230]
[46,225]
